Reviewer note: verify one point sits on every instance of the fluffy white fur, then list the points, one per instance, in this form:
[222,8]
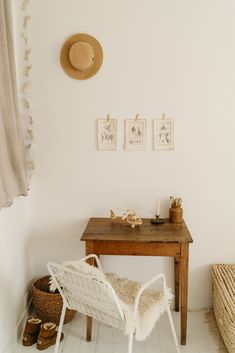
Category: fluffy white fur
[151,306]
[79,266]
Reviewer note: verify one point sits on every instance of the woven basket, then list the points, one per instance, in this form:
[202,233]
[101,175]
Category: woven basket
[223,279]
[48,306]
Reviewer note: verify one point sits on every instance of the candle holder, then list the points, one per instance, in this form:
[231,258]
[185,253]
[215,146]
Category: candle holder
[157,220]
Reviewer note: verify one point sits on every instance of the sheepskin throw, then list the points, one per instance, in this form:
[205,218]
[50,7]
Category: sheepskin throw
[151,306]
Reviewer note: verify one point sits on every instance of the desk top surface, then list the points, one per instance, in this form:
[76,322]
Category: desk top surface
[104,229]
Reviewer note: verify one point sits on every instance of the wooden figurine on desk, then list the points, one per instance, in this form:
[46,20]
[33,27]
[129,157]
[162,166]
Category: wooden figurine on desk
[176,211]
[129,217]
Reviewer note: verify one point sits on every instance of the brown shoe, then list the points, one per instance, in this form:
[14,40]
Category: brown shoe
[47,336]
[31,331]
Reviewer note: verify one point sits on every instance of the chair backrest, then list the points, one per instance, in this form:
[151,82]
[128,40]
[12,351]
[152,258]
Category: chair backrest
[88,294]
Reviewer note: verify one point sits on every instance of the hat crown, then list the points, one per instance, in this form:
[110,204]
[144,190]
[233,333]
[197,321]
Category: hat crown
[81,55]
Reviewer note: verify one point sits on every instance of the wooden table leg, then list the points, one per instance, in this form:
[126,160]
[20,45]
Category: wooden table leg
[89,250]
[88,328]
[177,282]
[184,291]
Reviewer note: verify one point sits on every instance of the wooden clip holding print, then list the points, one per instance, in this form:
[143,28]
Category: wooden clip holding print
[137,117]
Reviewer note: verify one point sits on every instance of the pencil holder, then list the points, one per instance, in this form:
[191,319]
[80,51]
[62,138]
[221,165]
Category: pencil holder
[176,214]
[176,211]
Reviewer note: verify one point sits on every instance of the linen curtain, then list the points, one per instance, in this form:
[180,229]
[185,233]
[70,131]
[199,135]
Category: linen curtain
[13,180]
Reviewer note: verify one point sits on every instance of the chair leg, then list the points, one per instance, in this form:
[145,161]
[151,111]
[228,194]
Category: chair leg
[60,328]
[130,342]
[173,330]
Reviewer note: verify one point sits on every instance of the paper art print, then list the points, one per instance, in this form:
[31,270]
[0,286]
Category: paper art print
[135,134]
[107,134]
[163,137]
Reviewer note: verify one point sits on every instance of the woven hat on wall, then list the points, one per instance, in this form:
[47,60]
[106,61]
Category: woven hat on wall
[81,56]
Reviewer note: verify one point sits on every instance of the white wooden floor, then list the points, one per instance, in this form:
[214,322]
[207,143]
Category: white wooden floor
[108,340]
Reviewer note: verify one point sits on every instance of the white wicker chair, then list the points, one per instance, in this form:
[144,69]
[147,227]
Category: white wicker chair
[96,298]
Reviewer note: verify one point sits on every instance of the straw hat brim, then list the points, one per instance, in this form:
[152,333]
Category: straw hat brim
[65,61]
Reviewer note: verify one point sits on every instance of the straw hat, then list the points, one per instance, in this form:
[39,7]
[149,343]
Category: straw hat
[81,56]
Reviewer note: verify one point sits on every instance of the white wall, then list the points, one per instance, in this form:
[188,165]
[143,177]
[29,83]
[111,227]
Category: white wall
[14,269]
[159,56]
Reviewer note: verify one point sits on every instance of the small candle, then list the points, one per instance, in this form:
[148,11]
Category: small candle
[158,208]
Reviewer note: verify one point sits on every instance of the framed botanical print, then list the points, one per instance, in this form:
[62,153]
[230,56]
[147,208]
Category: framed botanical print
[107,134]
[163,134]
[135,134]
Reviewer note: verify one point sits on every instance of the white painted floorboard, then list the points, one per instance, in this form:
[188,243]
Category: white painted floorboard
[106,339]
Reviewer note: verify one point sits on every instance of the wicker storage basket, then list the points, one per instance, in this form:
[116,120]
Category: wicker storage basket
[223,279]
[48,306]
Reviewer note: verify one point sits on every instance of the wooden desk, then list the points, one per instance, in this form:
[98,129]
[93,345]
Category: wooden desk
[104,237]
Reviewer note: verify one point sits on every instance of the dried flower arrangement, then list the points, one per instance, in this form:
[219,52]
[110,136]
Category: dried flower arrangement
[175,201]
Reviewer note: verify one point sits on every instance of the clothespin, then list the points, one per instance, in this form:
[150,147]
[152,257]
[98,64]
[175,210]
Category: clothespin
[137,116]
[108,118]
[25,21]
[26,54]
[163,116]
